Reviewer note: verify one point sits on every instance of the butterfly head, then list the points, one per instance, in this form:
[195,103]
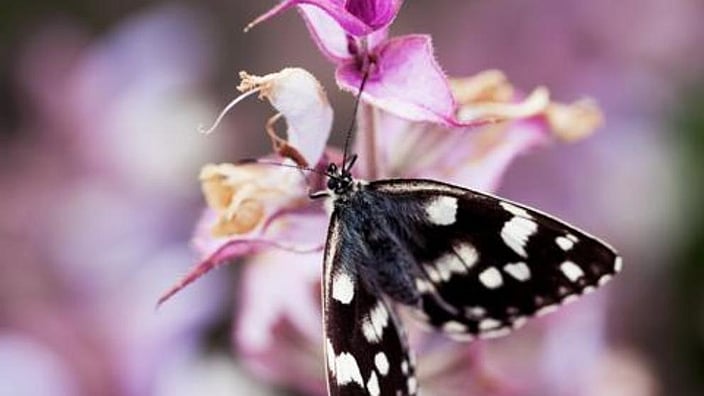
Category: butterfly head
[340,181]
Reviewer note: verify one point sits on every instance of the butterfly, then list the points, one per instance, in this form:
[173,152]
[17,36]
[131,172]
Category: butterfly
[469,264]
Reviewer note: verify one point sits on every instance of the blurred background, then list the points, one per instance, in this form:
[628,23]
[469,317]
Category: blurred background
[99,156]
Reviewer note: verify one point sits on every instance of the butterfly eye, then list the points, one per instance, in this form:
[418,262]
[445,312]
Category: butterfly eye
[333,184]
[332,168]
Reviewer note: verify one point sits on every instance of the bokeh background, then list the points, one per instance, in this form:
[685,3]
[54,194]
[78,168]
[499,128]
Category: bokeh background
[99,156]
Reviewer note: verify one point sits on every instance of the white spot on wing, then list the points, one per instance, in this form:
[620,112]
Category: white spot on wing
[495,333]
[382,363]
[423,286]
[519,270]
[468,254]
[330,355]
[454,327]
[347,370]
[461,337]
[342,288]
[442,210]
[491,278]
[489,324]
[412,385]
[618,264]
[433,273]
[373,324]
[564,243]
[516,232]
[519,322]
[373,385]
[515,210]
[450,264]
[546,310]
[571,270]
[604,279]
[475,312]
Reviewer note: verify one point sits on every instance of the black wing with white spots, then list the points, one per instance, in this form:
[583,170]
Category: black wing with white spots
[365,345]
[483,265]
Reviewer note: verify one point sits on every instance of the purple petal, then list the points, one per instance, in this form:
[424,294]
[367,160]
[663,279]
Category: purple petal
[375,13]
[406,81]
[327,34]
[380,17]
[331,38]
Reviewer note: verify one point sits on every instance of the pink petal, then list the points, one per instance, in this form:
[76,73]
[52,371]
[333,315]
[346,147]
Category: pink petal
[475,158]
[407,81]
[279,326]
[299,232]
[375,13]
[331,38]
[327,34]
[486,168]
[277,283]
[336,9]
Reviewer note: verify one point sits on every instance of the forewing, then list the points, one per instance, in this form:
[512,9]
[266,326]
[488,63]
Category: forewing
[485,264]
[365,346]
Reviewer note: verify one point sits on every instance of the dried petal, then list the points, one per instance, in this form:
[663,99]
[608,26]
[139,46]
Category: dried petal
[489,95]
[486,86]
[300,98]
[241,195]
[574,121]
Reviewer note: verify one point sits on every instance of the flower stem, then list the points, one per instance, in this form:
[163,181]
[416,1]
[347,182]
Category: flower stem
[367,136]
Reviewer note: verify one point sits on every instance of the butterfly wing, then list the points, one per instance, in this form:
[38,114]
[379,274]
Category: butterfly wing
[365,347]
[485,264]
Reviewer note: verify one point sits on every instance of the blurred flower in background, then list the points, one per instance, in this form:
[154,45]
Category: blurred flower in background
[94,193]
[98,195]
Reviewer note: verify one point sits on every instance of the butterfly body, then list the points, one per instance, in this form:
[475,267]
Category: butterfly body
[469,264]
[382,257]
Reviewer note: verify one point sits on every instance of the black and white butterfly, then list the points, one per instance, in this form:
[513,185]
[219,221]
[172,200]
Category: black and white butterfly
[469,264]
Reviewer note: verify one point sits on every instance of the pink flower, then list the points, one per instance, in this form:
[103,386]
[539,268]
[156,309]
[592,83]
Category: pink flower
[355,17]
[256,207]
[404,77]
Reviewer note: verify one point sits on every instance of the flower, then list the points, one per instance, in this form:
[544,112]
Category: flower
[403,76]
[355,17]
[278,327]
[251,205]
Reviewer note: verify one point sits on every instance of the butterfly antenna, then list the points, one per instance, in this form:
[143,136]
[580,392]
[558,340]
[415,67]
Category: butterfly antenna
[348,136]
[300,168]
